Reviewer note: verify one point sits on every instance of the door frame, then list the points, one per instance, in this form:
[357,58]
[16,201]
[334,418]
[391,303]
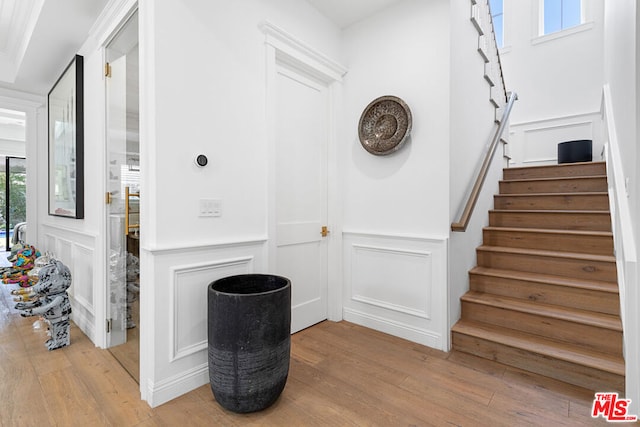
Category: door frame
[32,106]
[283,48]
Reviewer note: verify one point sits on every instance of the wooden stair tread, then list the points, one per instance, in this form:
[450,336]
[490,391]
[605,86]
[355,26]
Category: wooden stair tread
[594,285]
[558,178]
[558,211]
[546,253]
[537,344]
[586,193]
[563,219]
[565,165]
[601,320]
[558,167]
[551,231]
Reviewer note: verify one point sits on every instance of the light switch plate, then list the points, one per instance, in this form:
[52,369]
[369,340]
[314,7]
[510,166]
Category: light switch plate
[210,208]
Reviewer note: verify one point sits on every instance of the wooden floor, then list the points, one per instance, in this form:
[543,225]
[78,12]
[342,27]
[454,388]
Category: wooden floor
[341,375]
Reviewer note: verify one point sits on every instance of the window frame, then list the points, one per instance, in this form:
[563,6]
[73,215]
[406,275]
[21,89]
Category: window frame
[541,20]
[589,8]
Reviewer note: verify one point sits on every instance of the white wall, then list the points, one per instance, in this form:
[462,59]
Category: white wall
[620,73]
[79,242]
[535,142]
[621,40]
[209,98]
[393,53]
[12,138]
[396,206]
[12,147]
[203,91]
[557,77]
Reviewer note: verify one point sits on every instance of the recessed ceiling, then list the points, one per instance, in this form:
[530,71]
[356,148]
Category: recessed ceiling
[38,39]
[346,12]
[17,21]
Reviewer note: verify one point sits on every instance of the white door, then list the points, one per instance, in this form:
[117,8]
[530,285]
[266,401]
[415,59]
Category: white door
[302,108]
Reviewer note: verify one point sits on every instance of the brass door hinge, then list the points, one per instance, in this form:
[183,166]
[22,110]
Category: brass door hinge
[108,198]
[107,69]
[325,231]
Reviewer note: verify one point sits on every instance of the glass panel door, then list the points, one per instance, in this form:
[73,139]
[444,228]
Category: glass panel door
[116,158]
[123,194]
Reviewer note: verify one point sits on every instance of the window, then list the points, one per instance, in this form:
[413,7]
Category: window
[560,15]
[497,15]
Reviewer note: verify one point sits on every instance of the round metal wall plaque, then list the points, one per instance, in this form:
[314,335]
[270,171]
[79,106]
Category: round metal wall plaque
[384,125]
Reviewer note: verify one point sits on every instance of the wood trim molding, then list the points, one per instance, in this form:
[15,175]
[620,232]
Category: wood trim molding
[172,250]
[287,45]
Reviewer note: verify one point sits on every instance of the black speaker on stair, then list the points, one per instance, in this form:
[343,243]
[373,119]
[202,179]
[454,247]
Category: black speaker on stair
[575,151]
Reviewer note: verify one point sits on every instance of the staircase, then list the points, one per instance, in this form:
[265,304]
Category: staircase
[544,295]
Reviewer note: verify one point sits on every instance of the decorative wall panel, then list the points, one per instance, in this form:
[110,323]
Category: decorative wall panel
[83,276]
[536,143]
[177,304]
[398,285]
[78,251]
[189,288]
[394,279]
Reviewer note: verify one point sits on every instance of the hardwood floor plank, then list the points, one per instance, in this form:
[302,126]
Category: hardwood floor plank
[21,394]
[346,392]
[67,400]
[580,414]
[106,380]
[189,410]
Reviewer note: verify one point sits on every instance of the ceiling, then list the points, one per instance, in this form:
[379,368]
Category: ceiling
[38,38]
[346,12]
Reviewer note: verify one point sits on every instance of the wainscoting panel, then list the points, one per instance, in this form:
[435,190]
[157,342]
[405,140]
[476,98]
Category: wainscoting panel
[375,268]
[49,243]
[83,276]
[77,250]
[398,285]
[175,309]
[189,284]
[64,253]
[536,142]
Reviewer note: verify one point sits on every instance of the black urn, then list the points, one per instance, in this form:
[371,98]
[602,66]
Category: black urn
[579,150]
[249,330]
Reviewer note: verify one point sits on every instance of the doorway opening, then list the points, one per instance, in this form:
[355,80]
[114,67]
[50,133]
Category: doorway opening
[13,174]
[123,196]
[13,200]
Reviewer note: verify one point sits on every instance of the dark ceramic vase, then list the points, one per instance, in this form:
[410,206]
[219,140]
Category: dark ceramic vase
[249,329]
[575,151]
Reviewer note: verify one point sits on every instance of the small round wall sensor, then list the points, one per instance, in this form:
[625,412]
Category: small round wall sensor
[201,160]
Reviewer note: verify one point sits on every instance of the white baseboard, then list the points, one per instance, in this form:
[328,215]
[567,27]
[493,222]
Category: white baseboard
[176,386]
[408,332]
